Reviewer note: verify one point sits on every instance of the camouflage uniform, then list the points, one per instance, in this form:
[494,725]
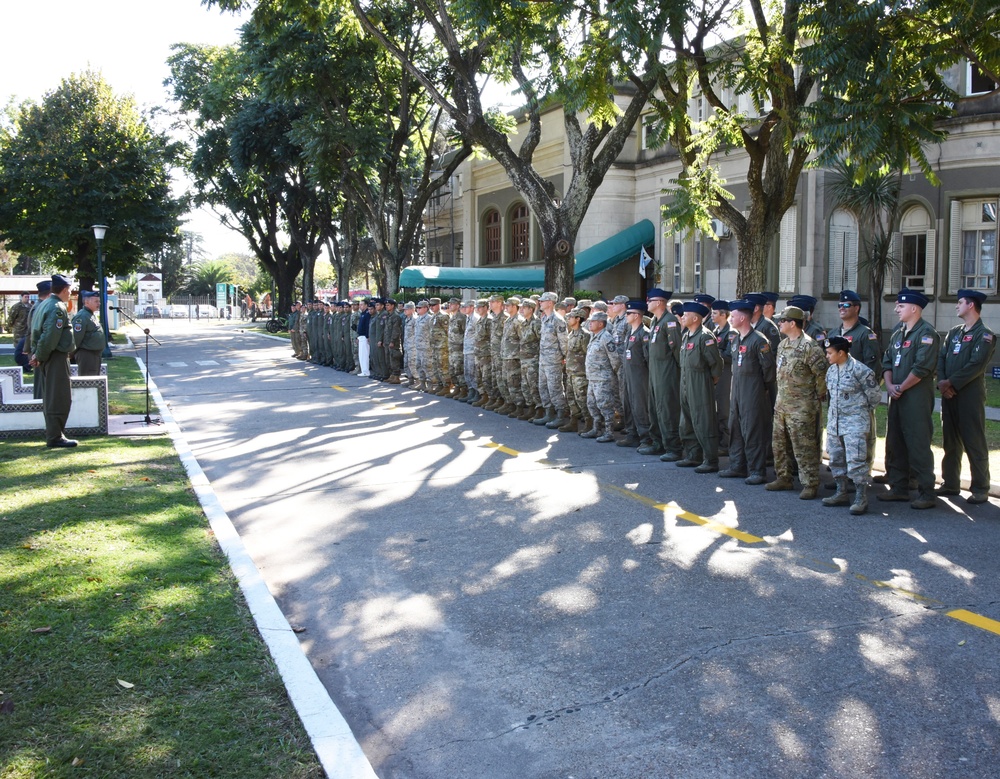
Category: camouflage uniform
[484,359]
[469,355]
[577,343]
[854,393]
[801,379]
[457,325]
[551,359]
[602,365]
[510,353]
[528,351]
[619,332]
[437,358]
[701,364]
[422,340]
[496,357]
[410,348]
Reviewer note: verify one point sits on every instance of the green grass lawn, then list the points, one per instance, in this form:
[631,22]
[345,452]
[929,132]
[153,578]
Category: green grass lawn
[126,649]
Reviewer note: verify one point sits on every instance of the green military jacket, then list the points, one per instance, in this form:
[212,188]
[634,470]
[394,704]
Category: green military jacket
[964,357]
[915,351]
[865,347]
[86,334]
[50,329]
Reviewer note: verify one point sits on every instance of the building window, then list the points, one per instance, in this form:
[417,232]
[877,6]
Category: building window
[842,263]
[649,125]
[697,263]
[788,251]
[491,238]
[678,261]
[914,250]
[459,254]
[977,82]
[973,250]
[520,235]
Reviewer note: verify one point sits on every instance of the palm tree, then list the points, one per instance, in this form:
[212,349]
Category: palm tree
[873,198]
[203,276]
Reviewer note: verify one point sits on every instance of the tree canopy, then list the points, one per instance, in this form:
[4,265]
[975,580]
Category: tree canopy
[84,156]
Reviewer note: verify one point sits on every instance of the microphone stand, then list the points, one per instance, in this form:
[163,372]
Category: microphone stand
[146,420]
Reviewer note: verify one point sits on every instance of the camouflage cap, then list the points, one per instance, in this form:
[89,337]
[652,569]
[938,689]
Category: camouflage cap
[529,303]
[585,303]
[482,302]
[576,312]
[496,297]
[421,304]
[514,300]
[550,297]
[409,304]
[434,301]
[620,299]
[792,312]
[455,300]
[599,316]
[466,303]
[569,301]
[600,305]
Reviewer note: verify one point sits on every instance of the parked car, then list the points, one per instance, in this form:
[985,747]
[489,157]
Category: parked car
[152,312]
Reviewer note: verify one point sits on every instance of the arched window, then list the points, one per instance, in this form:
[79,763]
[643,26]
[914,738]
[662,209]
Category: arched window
[842,262]
[491,238]
[520,232]
[914,249]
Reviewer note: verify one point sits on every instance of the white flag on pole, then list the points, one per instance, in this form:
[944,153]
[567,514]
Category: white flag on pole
[644,260]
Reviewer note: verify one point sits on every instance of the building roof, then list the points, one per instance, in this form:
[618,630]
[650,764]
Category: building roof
[20,285]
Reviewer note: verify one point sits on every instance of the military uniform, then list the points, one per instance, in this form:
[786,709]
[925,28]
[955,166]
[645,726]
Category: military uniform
[854,393]
[577,343]
[665,384]
[52,344]
[619,328]
[864,344]
[422,338]
[724,387]
[484,359]
[635,372]
[457,324]
[470,381]
[355,358]
[392,338]
[503,395]
[551,362]
[965,354]
[602,376]
[911,426]
[438,354]
[410,348]
[801,379]
[510,353]
[701,365]
[89,341]
[750,414]
[528,350]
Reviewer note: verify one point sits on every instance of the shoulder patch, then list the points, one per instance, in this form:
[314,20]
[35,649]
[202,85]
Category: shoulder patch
[77,327]
[59,322]
[926,340]
[987,336]
[671,324]
[872,337]
[710,341]
[765,347]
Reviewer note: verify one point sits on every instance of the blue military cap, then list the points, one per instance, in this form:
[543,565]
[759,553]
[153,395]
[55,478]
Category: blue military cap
[839,343]
[677,308]
[720,305]
[972,294]
[44,286]
[658,294]
[757,298]
[771,297]
[390,301]
[850,296]
[60,282]
[86,295]
[637,305]
[805,302]
[704,298]
[742,305]
[696,308]
[907,295]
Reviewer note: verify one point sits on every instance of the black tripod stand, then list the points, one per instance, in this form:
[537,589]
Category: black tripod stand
[146,420]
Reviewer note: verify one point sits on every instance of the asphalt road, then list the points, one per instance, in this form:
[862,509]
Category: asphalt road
[484,598]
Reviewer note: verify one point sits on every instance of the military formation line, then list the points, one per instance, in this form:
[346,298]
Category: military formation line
[653,375]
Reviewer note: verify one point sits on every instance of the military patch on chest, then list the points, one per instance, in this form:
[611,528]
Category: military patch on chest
[59,323]
[77,327]
[967,338]
[689,346]
[743,350]
[906,344]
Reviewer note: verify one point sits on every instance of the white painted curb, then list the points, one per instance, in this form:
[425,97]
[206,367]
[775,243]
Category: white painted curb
[338,750]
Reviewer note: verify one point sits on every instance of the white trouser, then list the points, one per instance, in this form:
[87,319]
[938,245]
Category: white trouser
[363,353]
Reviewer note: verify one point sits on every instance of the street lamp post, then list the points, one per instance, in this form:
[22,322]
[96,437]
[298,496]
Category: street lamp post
[99,231]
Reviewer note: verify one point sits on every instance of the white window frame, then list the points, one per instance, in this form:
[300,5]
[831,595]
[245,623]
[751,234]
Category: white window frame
[842,257]
[787,251]
[969,75]
[915,222]
[961,223]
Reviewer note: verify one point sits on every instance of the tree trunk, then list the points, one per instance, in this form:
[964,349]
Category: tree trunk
[754,246]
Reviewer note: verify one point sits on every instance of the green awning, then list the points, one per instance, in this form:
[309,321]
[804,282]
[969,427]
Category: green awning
[589,262]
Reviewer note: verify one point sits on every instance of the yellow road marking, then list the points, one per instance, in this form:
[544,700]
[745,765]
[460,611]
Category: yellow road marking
[679,513]
[337,387]
[976,620]
[501,448]
[894,588]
